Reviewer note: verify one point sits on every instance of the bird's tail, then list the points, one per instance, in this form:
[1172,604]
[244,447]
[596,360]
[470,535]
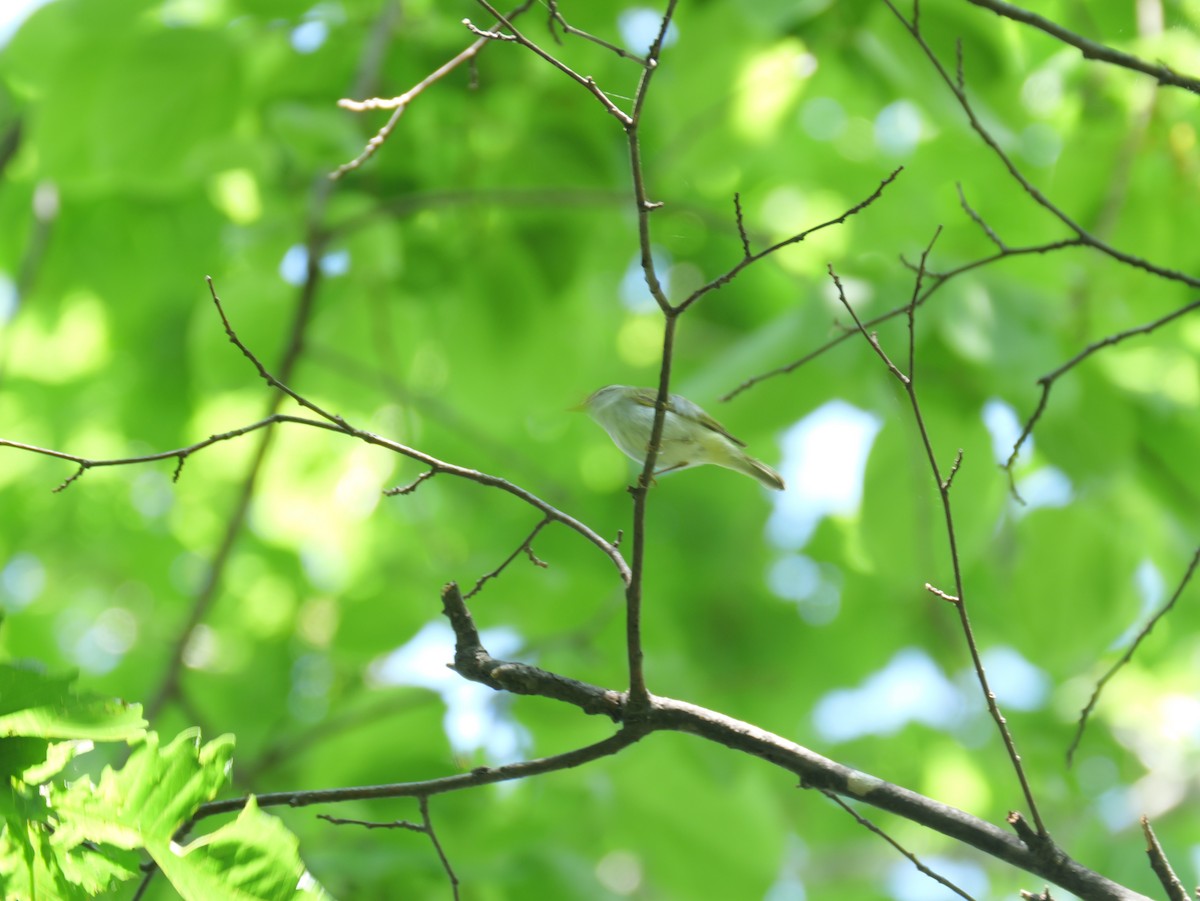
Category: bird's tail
[758,471]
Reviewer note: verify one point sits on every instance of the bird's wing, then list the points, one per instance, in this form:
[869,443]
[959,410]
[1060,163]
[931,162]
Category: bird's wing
[681,406]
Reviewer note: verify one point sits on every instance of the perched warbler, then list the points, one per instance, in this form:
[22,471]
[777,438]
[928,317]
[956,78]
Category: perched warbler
[690,437]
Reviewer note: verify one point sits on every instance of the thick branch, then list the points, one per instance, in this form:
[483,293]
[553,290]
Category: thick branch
[665,714]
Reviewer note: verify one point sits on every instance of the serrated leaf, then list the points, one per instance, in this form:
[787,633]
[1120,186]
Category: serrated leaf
[147,800]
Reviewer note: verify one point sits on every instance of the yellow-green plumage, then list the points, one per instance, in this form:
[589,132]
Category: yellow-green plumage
[690,437]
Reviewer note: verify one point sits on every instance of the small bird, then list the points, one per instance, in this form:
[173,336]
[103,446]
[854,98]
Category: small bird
[690,437]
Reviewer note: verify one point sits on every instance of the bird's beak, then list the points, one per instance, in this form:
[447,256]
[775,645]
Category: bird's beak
[580,407]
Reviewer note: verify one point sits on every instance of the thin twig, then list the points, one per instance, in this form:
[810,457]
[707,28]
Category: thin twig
[556,17]
[937,279]
[338,424]
[741,225]
[943,486]
[749,259]
[425,827]
[978,220]
[913,859]
[335,423]
[516,36]
[1161,866]
[937,592]
[1161,73]
[1128,655]
[1047,381]
[371,824]
[411,486]
[437,845]
[959,92]
[400,103]
[525,546]
[639,694]
[949,483]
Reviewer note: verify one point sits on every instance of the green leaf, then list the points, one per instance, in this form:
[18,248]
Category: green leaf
[254,858]
[36,705]
[149,798]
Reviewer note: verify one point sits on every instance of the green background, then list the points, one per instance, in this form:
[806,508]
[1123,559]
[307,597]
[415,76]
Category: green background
[473,291]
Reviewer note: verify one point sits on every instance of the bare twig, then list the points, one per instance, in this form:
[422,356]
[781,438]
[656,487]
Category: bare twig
[425,827]
[525,547]
[178,454]
[750,259]
[741,225]
[1166,608]
[937,281]
[338,424]
[1161,866]
[516,36]
[958,90]
[556,17]
[400,103]
[411,486]
[978,220]
[1161,73]
[958,458]
[913,859]
[1047,381]
[943,486]
[937,592]
[370,824]
[437,845]
[335,423]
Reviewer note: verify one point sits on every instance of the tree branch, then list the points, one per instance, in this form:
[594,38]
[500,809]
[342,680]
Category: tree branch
[472,661]
[516,36]
[956,86]
[400,103]
[943,486]
[1161,866]
[1161,73]
[1081,725]
[1047,381]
